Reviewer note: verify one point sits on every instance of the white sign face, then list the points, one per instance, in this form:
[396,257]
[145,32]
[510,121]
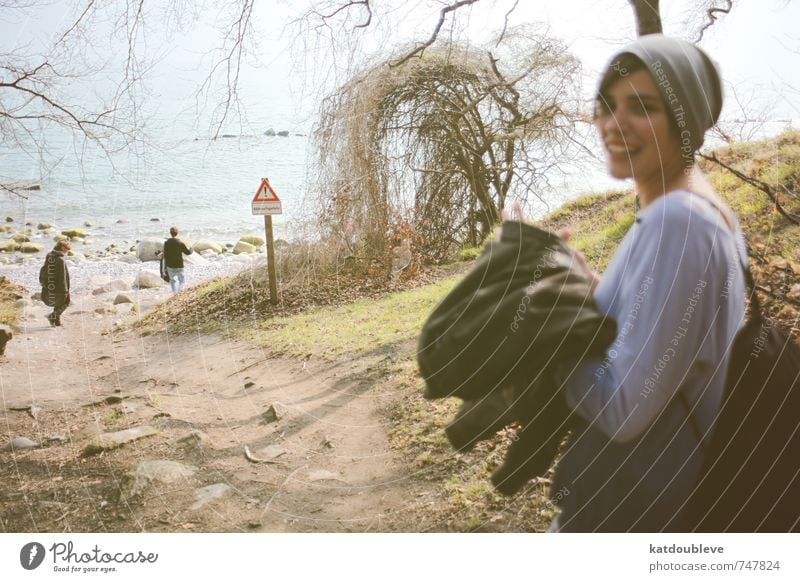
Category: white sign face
[266,201]
[267,207]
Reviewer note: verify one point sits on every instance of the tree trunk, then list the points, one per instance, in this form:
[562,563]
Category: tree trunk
[648,17]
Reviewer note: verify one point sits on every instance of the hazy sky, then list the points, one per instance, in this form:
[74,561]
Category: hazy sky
[757,46]
[293,64]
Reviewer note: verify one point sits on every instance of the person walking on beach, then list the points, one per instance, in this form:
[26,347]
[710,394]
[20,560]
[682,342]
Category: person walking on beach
[54,278]
[174,249]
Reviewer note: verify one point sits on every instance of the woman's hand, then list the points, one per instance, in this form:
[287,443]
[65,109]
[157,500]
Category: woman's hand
[580,260]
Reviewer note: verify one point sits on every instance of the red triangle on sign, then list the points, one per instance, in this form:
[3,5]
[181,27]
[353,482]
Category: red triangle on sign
[265,193]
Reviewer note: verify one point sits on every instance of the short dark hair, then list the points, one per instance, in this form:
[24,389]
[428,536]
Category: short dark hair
[173,231]
[623,66]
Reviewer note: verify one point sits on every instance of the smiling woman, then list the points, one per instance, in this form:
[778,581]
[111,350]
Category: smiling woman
[676,291]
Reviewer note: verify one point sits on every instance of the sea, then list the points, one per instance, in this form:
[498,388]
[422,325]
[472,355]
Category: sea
[203,186]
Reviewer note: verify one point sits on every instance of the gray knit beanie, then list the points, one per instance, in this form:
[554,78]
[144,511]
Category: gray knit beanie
[688,80]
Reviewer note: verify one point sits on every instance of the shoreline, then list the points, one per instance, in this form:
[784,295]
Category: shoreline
[87,274]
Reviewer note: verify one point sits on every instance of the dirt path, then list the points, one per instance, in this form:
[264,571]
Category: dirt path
[316,441]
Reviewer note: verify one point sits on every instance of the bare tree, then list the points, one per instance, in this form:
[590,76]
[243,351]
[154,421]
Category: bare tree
[440,142]
[648,16]
[88,80]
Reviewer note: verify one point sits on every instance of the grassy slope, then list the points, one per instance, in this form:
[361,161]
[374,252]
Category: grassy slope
[388,325]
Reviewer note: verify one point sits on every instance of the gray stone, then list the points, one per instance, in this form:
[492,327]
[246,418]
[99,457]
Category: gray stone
[256,241]
[122,298]
[44,226]
[205,245]
[22,303]
[30,247]
[154,472]
[243,247]
[149,249]
[195,260]
[74,233]
[115,285]
[8,246]
[208,494]
[147,279]
[111,440]
[20,443]
[195,440]
[21,238]
[274,413]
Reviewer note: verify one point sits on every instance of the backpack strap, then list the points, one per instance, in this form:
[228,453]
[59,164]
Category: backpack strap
[755,316]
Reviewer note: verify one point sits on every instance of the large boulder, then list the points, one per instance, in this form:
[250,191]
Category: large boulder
[256,241]
[149,249]
[21,237]
[74,233]
[122,298]
[204,245]
[195,260]
[115,285]
[29,247]
[244,247]
[8,246]
[147,279]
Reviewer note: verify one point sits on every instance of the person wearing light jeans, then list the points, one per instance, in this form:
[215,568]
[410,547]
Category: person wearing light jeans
[174,249]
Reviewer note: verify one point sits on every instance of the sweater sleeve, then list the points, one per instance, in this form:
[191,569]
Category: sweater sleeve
[659,296]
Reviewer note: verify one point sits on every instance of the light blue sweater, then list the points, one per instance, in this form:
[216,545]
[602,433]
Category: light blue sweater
[676,289]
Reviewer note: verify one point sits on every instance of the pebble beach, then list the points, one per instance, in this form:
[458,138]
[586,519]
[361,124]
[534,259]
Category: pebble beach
[91,267]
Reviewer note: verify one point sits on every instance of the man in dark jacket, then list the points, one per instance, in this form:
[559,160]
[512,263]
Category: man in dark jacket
[174,249]
[54,278]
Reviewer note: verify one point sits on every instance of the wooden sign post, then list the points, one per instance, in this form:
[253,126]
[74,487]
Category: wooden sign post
[266,202]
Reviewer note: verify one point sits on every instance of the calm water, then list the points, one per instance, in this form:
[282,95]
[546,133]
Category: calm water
[203,186]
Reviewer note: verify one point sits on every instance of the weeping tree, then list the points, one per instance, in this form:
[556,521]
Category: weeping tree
[431,148]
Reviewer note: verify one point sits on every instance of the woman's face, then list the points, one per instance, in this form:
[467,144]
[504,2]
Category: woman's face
[635,128]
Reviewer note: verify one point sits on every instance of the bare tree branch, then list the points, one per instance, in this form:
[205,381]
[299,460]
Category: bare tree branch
[442,15]
[712,14]
[760,185]
[364,3]
[505,23]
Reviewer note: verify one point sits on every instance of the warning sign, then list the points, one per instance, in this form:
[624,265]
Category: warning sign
[266,201]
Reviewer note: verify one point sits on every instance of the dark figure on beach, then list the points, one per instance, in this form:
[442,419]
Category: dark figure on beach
[5,336]
[174,249]
[54,278]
